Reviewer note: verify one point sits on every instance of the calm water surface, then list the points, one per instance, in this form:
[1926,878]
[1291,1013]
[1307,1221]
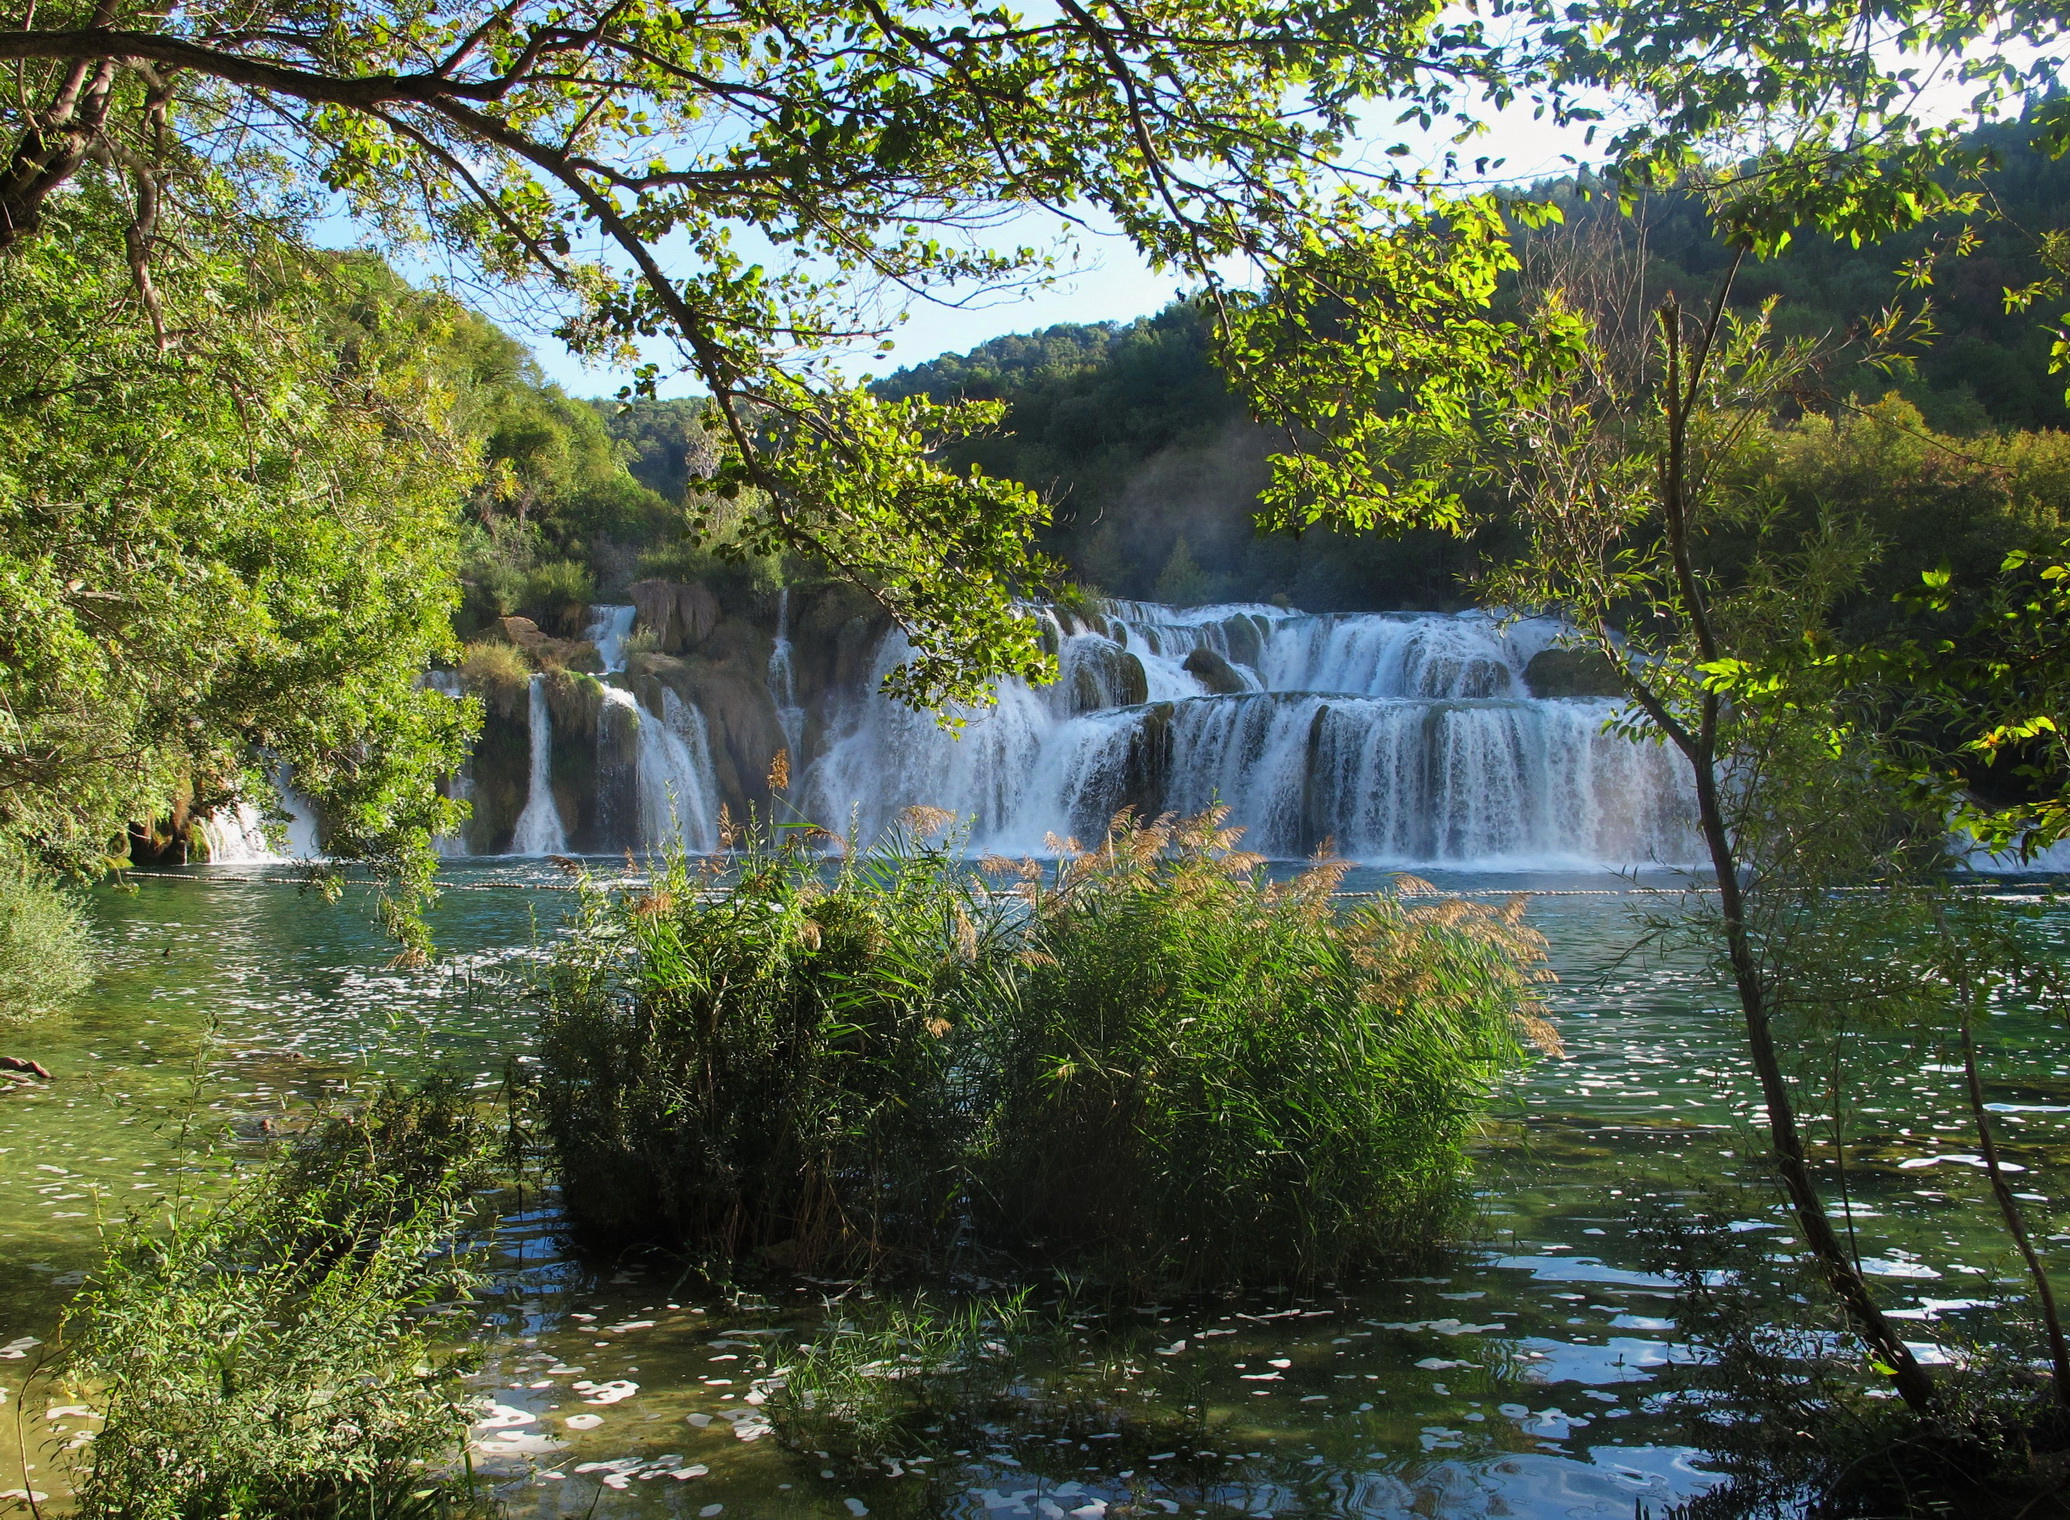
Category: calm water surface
[1525,1375]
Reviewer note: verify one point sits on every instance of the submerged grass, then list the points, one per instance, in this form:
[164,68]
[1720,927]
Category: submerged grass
[890,1378]
[1157,1066]
[263,1356]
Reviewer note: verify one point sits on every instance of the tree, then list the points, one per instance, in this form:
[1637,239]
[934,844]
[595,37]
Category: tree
[227,540]
[1625,437]
[813,166]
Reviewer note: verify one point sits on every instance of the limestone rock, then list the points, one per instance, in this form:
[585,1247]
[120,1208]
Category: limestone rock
[1215,673]
[680,617]
[1572,673]
[547,652]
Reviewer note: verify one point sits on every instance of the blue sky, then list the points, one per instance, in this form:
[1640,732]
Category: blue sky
[1108,283]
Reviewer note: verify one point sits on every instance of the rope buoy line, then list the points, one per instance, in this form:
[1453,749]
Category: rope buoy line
[571,886]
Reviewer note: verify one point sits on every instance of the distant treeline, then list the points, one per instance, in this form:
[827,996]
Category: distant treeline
[1154,466]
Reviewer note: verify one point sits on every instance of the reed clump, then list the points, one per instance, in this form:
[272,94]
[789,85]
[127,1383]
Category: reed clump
[1154,1063]
[265,1356]
[1207,1077]
[773,1071]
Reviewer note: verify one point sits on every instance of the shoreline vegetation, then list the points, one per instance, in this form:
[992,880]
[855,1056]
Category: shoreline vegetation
[1156,1067]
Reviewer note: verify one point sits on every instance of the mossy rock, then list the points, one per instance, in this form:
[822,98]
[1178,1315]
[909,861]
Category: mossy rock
[1108,677]
[1215,673]
[1572,673]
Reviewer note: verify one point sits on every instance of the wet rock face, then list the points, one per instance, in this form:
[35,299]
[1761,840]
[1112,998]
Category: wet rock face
[680,617]
[1106,676]
[1572,673]
[499,779]
[1215,673]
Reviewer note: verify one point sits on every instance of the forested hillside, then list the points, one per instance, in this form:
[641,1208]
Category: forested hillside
[1153,466]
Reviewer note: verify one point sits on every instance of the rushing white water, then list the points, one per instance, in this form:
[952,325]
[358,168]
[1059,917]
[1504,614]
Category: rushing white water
[539,828]
[783,681]
[1399,739]
[238,837]
[676,797]
[609,625]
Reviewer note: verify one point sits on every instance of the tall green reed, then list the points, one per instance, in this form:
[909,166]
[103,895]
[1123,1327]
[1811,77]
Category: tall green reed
[765,1064]
[1160,1066]
[1205,1076]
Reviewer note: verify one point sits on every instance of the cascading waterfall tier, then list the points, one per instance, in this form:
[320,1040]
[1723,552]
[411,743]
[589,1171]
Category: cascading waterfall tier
[783,680]
[653,771]
[1400,739]
[539,827]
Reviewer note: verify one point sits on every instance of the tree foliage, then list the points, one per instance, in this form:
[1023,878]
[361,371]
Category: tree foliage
[812,168]
[220,551]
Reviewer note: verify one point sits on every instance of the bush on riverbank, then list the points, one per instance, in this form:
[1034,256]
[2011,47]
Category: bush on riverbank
[263,1357]
[46,950]
[1162,1067]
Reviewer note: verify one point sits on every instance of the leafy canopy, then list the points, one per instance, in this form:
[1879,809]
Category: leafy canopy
[231,550]
[766,183]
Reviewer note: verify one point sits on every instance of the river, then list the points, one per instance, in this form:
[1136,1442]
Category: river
[1528,1373]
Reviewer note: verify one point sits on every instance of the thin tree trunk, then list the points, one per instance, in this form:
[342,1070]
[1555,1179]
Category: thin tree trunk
[1682,389]
[2008,1206]
[1786,1145]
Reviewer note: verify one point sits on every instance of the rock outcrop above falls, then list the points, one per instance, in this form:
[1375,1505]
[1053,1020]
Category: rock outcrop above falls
[676,616]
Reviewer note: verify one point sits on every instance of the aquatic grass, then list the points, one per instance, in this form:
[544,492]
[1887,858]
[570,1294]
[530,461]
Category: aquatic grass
[264,1356]
[1160,1067]
[764,1066]
[890,1377]
[1207,1077]
[1790,1407]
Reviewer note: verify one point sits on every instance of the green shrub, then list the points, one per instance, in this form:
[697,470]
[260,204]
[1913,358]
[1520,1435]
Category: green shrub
[46,950]
[497,674]
[770,1070]
[264,1358]
[1162,1068]
[558,583]
[1208,1077]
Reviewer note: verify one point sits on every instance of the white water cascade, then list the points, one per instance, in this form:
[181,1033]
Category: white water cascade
[677,799]
[610,624]
[672,788]
[783,681]
[539,829]
[238,837]
[1402,739]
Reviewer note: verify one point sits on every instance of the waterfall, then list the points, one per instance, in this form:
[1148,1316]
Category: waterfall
[676,795]
[539,830]
[609,624]
[1400,739]
[237,837]
[783,683]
